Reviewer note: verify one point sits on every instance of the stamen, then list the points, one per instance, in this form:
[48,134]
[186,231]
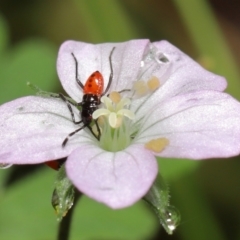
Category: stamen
[107,102]
[140,87]
[153,83]
[157,145]
[116,122]
[114,112]
[115,97]
[100,112]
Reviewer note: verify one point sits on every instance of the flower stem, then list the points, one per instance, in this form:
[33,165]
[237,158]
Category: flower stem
[65,224]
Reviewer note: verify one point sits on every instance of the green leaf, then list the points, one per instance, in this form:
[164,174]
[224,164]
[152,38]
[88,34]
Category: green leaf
[199,221]
[3,34]
[3,175]
[26,211]
[171,168]
[209,40]
[32,61]
[111,25]
[93,220]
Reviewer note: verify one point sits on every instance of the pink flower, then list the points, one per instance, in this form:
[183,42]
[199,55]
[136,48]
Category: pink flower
[171,107]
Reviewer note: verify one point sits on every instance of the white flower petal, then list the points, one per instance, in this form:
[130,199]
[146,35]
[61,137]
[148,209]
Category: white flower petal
[183,76]
[32,130]
[198,125]
[116,179]
[92,57]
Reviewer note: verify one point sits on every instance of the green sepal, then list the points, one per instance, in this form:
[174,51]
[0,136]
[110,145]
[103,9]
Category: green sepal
[158,199]
[63,194]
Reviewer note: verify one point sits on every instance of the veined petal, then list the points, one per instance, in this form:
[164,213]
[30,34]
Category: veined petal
[187,75]
[181,75]
[92,57]
[116,179]
[32,130]
[198,125]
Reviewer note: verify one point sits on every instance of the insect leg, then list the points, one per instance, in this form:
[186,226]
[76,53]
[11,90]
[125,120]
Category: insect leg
[70,108]
[98,129]
[124,90]
[71,134]
[90,128]
[68,99]
[111,73]
[76,72]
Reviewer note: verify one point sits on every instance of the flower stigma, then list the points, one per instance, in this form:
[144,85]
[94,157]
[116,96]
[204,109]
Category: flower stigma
[114,122]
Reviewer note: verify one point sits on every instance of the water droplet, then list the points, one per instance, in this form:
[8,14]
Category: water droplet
[62,204]
[63,194]
[171,219]
[161,58]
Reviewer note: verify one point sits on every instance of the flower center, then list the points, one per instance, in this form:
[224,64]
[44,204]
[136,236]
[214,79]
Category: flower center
[115,122]
[115,119]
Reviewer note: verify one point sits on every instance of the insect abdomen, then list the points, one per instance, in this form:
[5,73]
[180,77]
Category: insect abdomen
[94,84]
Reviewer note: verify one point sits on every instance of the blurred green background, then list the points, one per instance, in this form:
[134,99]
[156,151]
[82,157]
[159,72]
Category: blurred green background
[207,193]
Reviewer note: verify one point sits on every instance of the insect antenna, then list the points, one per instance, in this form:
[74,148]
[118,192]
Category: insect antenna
[111,73]
[76,71]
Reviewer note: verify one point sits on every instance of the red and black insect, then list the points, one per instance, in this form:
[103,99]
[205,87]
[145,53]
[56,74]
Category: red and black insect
[56,164]
[93,90]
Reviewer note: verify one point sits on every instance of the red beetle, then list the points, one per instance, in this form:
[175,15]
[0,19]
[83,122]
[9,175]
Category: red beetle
[92,93]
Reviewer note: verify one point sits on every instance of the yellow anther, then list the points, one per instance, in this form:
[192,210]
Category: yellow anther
[157,145]
[140,88]
[115,97]
[153,83]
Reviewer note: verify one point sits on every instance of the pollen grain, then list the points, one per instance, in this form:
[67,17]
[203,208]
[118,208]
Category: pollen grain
[140,88]
[115,97]
[157,145]
[153,83]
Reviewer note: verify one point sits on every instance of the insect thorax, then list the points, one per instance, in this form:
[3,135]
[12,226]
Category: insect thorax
[89,104]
